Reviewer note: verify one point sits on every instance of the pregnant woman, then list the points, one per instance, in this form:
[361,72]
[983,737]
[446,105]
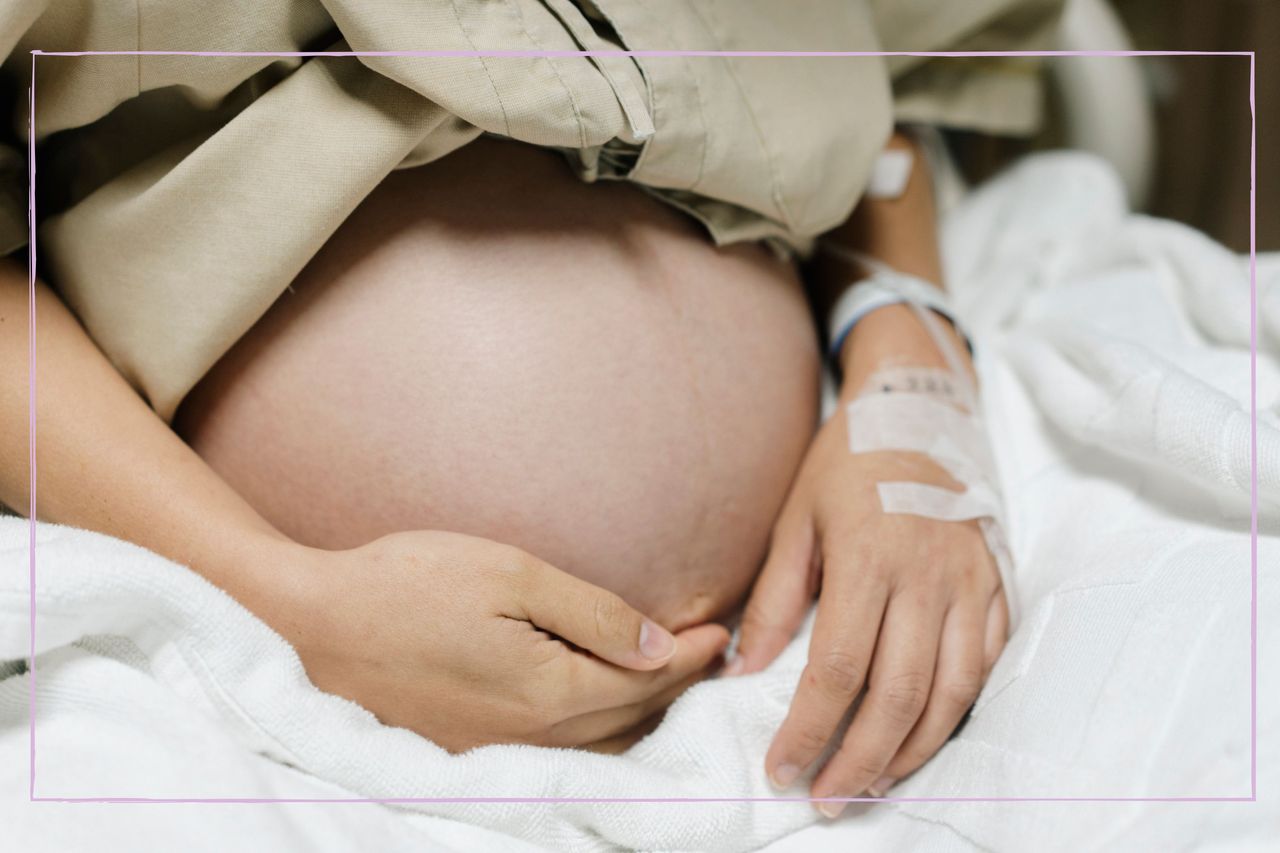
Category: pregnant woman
[497,449]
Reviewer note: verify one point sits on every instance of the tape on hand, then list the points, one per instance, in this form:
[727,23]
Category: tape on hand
[935,412]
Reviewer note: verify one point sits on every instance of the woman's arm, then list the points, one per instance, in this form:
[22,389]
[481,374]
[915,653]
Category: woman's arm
[910,608]
[902,232]
[454,621]
[107,463]
[899,231]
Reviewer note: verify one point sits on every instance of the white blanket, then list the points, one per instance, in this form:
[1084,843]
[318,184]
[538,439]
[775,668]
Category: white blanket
[1114,353]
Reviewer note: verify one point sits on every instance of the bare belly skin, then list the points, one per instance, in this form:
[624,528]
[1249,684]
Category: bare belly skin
[490,346]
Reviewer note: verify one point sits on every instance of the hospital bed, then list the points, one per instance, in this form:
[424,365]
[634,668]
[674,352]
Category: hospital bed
[1114,353]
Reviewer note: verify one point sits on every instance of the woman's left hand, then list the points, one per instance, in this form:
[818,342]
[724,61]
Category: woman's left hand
[910,608]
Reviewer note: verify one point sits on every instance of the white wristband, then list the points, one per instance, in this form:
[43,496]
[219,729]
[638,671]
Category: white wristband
[886,286]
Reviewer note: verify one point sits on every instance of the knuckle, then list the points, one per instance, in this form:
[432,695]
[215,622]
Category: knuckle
[860,770]
[608,613]
[783,529]
[881,573]
[753,615]
[512,563]
[983,585]
[962,688]
[567,697]
[756,619]
[860,553]
[904,696]
[811,740]
[529,715]
[838,673]
[843,536]
[557,736]
[868,769]
[919,596]
[524,563]
[983,576]
[546,686]
[910,759]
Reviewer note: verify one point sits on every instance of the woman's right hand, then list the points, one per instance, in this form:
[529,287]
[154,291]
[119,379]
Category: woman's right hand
[469,642]
[444,634]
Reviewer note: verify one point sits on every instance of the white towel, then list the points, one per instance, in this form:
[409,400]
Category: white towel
[1111,352]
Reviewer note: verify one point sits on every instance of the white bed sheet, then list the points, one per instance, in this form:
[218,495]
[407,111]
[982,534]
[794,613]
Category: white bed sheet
[1114,354]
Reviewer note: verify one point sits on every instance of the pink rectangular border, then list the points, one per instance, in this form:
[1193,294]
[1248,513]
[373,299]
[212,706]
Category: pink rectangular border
[1253,414]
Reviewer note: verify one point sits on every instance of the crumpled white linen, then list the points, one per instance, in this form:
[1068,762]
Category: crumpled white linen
[1113,352]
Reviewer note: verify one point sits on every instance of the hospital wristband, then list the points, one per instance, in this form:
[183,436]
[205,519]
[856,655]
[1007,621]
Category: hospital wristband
[886,286]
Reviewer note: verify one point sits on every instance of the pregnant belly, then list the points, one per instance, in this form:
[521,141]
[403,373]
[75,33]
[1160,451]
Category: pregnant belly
[489,346]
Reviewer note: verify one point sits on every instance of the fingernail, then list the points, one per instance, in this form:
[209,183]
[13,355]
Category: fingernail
[735,667]
[656,643]
[783,775]
[831,810]
[881,786]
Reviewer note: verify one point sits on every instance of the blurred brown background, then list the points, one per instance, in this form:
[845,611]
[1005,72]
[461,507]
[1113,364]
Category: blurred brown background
[1201,172]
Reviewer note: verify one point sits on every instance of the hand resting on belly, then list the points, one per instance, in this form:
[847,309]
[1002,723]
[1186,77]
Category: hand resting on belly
[488,346]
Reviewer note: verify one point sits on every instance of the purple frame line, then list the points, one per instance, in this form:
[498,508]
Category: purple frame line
[31,413]
[533,54]
[543,54]
[1253,432]
[478,800]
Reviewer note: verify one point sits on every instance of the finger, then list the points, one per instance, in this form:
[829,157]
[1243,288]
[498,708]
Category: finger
[901,675]
[844,635]
[957,679]
[587,684]
[779,600]
[600,725]
[592,618]
[997,632]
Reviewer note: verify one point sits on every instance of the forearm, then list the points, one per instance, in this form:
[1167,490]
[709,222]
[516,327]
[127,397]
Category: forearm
[901,232]
[105,461]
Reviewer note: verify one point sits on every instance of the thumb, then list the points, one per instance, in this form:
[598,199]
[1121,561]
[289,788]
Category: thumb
[594,619]
[779,600]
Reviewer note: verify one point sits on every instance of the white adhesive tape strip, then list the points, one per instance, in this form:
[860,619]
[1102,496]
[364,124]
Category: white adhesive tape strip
[930,420]
[918,423]
[933,382]
[962,467]
[998,545]
[977,501]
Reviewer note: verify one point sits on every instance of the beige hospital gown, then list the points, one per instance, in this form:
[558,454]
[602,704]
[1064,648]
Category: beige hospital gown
[178,196]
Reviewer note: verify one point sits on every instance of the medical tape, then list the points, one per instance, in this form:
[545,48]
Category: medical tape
[895,421]
[998,546]
[962,467]
[977,501]
[935,412]
[934,382]
[950,437]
